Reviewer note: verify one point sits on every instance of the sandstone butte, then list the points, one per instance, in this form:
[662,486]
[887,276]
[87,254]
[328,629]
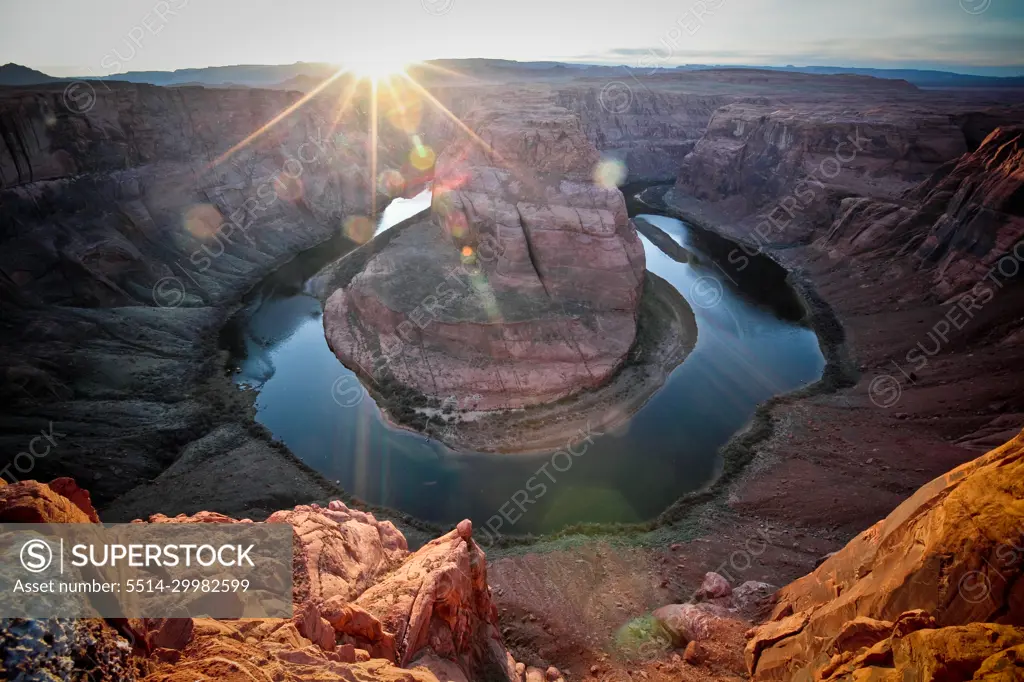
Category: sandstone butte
[523,286]
[931,592]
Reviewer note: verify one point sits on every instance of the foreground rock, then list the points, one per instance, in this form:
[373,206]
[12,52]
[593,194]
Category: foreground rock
[522,290]
[931,592]
[365,609]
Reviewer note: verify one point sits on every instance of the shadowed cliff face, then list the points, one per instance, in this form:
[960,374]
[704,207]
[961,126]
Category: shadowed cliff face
[784,167]
[649,131]
[961,223]
[754,154]
[98,207]
[124,231]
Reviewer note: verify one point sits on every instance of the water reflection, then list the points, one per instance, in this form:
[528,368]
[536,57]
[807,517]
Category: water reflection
[744,355]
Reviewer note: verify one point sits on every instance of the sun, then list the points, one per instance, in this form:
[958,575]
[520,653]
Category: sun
[377,68]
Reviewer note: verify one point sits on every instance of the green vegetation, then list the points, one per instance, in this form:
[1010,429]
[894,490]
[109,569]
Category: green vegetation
[642,639]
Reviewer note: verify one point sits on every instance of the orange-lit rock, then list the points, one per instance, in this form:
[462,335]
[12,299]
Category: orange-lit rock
[930,592]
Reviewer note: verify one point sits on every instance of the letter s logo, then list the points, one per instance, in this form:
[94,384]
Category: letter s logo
[36,556]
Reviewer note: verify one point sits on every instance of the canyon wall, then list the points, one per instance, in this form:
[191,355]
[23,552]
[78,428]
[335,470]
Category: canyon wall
[125,228]
[99,207]
[962,222]
[650,131]
[752,154]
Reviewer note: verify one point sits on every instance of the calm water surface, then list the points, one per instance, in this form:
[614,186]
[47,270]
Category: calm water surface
[744,355]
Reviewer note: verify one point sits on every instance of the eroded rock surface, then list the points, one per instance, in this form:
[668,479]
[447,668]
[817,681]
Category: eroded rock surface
[752,154]
[126,229]
[960,222]
[521,290]
[365,609]
[931,592]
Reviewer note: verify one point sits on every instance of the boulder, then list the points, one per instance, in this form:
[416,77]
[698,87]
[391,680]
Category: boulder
[714,586]
[313,627]
[438,599]
[684,622]
[753,599]
[34,502]
[359,627]
[343,551]
[78,496]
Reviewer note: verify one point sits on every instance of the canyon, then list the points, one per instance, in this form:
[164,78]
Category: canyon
[130,233]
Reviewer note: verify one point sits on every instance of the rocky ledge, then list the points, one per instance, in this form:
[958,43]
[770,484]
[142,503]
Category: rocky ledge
[932,592]
[366,608]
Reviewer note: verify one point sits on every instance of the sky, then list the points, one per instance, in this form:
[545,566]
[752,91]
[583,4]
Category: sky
[99,37]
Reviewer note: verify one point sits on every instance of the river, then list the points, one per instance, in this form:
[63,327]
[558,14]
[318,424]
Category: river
[746,352]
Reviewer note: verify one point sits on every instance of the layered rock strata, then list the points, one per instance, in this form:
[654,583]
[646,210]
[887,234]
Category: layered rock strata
[126,228]
[522,289]
[965,222]
[752,153]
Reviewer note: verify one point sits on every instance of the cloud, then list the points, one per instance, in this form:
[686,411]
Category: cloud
[949,51]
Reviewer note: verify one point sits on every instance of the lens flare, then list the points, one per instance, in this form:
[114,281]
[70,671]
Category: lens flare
[390,183]
[421,157]
[359,229]
[610,173]
[202,221]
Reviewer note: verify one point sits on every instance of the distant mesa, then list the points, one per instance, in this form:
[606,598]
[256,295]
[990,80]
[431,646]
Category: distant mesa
[16,74]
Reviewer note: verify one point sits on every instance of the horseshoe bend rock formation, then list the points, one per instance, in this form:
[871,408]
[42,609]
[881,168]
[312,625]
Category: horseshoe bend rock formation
[366,608]
[521,289]
[933,591]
